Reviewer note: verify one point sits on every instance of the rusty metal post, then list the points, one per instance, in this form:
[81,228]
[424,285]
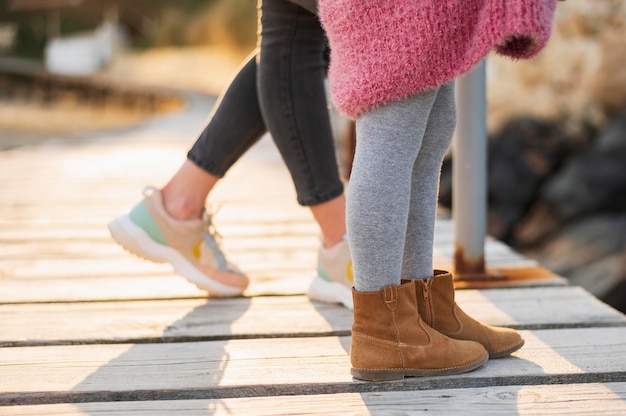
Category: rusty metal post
[469,175]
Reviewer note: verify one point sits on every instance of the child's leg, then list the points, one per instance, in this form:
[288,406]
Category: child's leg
[390,339]
[418,249]
[388,142]
[435,289]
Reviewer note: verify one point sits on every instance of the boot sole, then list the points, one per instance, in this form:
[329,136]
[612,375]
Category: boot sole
[507,352]
[391,374]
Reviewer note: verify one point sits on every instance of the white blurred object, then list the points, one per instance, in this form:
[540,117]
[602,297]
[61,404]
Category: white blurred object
[85,53]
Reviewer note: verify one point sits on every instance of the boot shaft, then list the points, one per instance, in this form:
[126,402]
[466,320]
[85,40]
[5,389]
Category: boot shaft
[437,307]
[436,303]
[385,314]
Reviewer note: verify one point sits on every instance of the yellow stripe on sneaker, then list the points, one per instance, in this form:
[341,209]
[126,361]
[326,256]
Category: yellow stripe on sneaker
[196,249]
[350,272]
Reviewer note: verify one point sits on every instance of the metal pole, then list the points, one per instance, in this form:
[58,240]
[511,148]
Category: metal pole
[469,175]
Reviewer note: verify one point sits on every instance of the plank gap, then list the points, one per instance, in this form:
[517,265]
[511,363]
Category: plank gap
[305,389]
[174,339]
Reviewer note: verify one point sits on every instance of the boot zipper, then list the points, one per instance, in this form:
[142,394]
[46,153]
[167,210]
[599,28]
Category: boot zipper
[426,292]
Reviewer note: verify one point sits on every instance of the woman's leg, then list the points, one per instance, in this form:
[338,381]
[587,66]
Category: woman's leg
[185,194]
[234,126]
[291,72]
[292,65]
[170,225]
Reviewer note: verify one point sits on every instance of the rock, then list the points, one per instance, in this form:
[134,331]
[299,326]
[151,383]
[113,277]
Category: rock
[539,224]
[616,297]
[584,242]
[521,156]
[590,182]
[600,277]
[594,180]
[591,253]
[612,138]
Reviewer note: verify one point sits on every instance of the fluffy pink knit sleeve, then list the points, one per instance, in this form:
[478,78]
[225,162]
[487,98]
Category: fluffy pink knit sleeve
[384,50]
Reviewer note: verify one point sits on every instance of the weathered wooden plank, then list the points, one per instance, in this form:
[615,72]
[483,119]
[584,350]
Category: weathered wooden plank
[132,285]
[169,320]
[287,366]
[33,231]
[54,323]
[138,284]
[571,399]
[131,164]
[266,256]
[248,211]
[72,240]
[537,307]
[119,263]
[57,182]
[126,277]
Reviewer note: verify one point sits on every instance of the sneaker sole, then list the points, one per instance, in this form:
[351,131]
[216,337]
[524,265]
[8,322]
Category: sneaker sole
[330,292]
[136,241]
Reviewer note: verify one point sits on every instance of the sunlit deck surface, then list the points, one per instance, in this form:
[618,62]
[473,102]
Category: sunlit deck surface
[86,328]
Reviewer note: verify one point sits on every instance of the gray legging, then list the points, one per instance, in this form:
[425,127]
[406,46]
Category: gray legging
[392,197]
[281,89]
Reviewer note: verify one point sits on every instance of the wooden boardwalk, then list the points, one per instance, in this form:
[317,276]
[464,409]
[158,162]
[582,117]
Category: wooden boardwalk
[88,329]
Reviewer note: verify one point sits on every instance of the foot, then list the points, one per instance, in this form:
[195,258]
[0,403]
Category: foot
[190,246]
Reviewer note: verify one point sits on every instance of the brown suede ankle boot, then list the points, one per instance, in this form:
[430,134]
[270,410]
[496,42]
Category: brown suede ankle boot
[436,304]
[387,345]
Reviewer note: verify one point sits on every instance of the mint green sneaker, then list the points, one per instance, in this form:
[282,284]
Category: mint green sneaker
[190,246]
[334,279]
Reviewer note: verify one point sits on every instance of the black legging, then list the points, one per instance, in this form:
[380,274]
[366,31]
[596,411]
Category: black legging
[280,89]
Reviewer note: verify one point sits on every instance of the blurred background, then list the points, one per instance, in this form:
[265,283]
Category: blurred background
[557,123]
[87,36]
[85,45]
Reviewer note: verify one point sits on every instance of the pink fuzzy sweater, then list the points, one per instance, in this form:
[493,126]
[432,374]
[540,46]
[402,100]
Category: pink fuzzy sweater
[384,50]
